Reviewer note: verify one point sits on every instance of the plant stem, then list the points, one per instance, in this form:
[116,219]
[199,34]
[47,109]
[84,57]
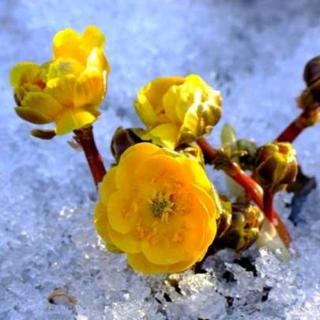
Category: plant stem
[303,121]
[252,188]
[267,205]
[85,138]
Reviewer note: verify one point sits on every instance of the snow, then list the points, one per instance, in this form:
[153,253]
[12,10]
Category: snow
[254,52]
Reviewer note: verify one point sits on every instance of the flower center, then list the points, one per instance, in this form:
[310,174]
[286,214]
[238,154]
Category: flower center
[161,205]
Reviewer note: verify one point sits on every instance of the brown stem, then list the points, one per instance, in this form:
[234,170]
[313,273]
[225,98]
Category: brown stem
[252,188]
[303,121]
[267,205]
[85,138]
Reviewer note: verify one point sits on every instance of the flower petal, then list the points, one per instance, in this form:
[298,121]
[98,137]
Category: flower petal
[122,212]
[98,61]
[165,135]
[62,89]
[43,104]
[92,37]
[107,186]
[90,88]
[72,120]
[32,115]
[130,160]
[64,67]
[195,172]
[66,44]
[128,243]
[23,72]
[139,263]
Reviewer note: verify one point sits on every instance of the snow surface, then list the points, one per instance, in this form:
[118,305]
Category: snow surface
[254,52]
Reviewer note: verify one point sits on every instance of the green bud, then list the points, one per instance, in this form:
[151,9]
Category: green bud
[275,166]
[246,220]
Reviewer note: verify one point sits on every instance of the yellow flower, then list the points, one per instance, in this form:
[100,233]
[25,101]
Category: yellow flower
[67,90]
[159,208]
[178,110]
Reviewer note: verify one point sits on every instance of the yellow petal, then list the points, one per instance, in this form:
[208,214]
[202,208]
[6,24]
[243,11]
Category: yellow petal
[102,226]
[107,186]
[162,252]
[127,243]
[23,72]
[122,212]
[42,103]
[195,172]
[66,44]
[62,89]
[145,110]
[139,263]
[90,88]
[165,135]
[72,120]
[98,61]
[161,168]
[183,265]
[129,162]
[92,37]
[149,102]
[64,67]
[32,115]
[157,88]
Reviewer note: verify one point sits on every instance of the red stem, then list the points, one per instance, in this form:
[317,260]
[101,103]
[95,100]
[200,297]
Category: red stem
[305,119]
[252,188]
[267,205]
[85,138]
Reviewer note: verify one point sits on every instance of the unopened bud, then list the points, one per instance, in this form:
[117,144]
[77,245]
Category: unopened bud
[275,166]
[310,97]
[244,229]
[311,72]
[123,139]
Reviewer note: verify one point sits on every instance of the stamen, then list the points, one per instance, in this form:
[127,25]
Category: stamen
[162,206]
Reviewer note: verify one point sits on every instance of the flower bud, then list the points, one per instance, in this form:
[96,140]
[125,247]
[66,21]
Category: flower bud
[311,72]
[244,228]
[310,97]
[275,166]
[178,110]
[123,139]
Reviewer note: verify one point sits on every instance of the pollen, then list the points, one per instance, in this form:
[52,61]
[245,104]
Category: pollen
[162,205]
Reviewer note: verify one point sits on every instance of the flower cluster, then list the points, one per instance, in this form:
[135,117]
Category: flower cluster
[68,89]
[156,203]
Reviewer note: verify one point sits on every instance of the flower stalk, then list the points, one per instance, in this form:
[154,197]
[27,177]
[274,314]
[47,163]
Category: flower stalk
[298,125]
[268,196]
[252,188]
[85,138]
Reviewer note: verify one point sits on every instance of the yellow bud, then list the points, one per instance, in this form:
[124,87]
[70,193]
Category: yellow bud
[186,107]
[275,166]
